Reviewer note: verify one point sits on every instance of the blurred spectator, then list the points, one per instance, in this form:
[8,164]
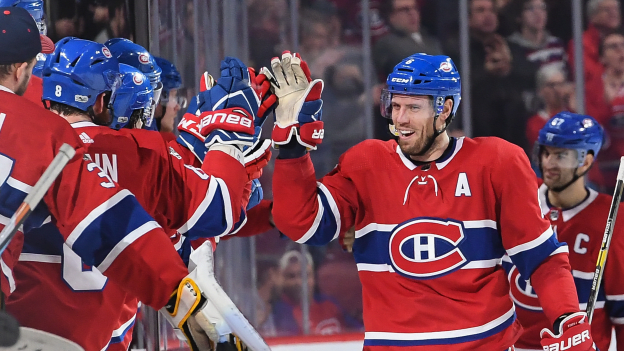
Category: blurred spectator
[556,94]
[268,292]
[609,158]
[117,26]
[604,17]
[600,89]
[315,37]
[343,109]
[63,20]
[325,316]
[539,46]
[268,18]
[497,85]
[406,36]
[531,40]
[350,13]
[94,16]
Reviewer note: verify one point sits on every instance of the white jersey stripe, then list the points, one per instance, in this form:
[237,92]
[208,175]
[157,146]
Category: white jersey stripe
[119,331]
[374,227]
[8,274]
[212,189]
[373,267]
[583,275]
[227,204]
[33,257]
[619,320]
[315,224]
[21,186]
[125,242]
[482,264]
[531,244]
[441,335]
[615,297]
[486,223]
[332,206]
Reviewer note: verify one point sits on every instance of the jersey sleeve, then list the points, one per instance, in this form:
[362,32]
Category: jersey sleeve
[105,225]
[311,212]
[527,236]
[612,279]
[202,202]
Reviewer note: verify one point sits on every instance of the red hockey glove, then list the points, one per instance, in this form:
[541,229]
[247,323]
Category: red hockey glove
[262,86]
[298,111]
[574,335]
[257,157]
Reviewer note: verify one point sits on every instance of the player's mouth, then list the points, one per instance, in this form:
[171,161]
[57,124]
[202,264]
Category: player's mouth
[405,133]
[551,174]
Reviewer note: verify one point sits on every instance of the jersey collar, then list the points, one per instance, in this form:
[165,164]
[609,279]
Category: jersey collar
[83,124]
[568,213]
[455,144]
[3,88]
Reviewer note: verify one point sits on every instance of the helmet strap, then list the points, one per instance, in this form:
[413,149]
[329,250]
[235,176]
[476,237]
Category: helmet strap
[436,134]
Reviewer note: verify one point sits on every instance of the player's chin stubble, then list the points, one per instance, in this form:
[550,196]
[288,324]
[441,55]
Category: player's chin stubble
[416,148]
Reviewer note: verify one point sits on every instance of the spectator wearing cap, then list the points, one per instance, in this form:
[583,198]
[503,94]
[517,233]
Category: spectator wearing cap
[406,36]
[20,42]
[603,17]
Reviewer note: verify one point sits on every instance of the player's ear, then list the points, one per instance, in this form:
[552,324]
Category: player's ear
[100,104]
[446,110]
[589,160]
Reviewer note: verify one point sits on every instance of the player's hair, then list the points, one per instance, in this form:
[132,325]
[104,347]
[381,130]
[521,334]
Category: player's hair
[292,257]
[592,7]
[470,6]
[6,70]
[65,110]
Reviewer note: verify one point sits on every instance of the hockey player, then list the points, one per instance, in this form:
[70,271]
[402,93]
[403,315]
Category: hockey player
[125,51]
[434,215]
[568,145]
[36,9]
[100,222]
[197,202]
[170,100]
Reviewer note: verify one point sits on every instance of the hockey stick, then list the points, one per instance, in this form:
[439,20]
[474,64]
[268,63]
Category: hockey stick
[31,201]
[606,241]
[240,326]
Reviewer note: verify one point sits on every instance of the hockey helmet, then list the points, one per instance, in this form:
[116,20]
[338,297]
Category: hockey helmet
[171,79]
[77,72]
[131,98]
[573,131]
[426,75]
[138,57]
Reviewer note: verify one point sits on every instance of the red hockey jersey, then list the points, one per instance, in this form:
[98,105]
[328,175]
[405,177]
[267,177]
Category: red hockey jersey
[582,228]
[58,293]
[81,204]
[429,238]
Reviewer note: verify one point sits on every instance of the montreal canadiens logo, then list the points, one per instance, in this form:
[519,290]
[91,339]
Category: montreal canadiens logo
[106,52]
[522,292]
[143,58]
[446,66]
[425,248]
[138,80]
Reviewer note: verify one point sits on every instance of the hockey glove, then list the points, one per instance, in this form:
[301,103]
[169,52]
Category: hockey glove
[573,335]
[194,312]
[257,194]
[298,111]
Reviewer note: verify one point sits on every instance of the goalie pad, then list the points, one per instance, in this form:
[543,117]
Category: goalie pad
[203,314]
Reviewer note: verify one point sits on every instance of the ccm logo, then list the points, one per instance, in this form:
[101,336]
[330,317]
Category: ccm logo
[400,80]
[575,340]
[318,134]
[228,118]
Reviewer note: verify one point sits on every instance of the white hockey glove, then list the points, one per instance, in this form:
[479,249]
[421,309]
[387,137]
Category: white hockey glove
[299,103]
[204,315]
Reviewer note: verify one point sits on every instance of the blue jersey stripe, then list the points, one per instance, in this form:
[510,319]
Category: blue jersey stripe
[526,261]
[328,225]
[215,218]
[118,221]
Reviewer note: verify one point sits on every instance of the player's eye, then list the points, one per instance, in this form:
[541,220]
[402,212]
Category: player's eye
[414,108]
[396,107]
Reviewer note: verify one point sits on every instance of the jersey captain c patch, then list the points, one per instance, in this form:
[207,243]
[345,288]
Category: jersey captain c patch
[425,248]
